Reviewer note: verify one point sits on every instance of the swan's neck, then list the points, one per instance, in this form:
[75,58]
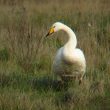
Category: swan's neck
[72,42]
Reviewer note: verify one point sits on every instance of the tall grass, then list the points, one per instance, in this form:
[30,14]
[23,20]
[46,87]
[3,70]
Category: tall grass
[26,56]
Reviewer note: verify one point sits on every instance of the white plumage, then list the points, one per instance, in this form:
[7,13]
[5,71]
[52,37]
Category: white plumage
[69,60]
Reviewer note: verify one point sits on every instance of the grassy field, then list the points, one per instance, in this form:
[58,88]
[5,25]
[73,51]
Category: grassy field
[26,56]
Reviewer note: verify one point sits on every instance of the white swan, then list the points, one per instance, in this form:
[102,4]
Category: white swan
[69,61]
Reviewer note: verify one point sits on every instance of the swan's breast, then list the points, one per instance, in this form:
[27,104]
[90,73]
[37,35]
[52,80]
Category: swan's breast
[58,64]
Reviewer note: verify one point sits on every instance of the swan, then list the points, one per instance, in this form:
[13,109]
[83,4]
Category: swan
[69,61]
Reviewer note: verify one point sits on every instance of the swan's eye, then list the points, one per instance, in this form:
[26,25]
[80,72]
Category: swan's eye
[53,26]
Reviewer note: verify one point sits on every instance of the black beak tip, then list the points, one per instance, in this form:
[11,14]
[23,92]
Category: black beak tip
[47,35]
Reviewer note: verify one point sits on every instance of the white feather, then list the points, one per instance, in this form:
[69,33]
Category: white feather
[69,60]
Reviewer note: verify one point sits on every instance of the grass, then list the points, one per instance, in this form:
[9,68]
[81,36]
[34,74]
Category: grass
[26,80]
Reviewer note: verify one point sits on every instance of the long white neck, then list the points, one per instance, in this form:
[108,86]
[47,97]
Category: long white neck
[72,42]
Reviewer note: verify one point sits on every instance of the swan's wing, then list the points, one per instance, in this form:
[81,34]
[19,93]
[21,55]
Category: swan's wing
[79,54]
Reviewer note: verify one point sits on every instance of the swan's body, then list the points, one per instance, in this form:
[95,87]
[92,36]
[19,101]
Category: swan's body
[69,60]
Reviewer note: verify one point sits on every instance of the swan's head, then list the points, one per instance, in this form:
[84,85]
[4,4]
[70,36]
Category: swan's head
[55,27]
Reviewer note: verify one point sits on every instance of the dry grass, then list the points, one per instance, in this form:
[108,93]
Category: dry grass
[26,56]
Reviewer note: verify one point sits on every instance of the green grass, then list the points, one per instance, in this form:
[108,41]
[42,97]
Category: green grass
[26,57]
[22,91]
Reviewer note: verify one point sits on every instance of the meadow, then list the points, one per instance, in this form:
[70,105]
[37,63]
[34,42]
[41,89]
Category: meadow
[26,56]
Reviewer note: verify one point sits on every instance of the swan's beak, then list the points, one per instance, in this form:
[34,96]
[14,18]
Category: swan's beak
[50,31]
